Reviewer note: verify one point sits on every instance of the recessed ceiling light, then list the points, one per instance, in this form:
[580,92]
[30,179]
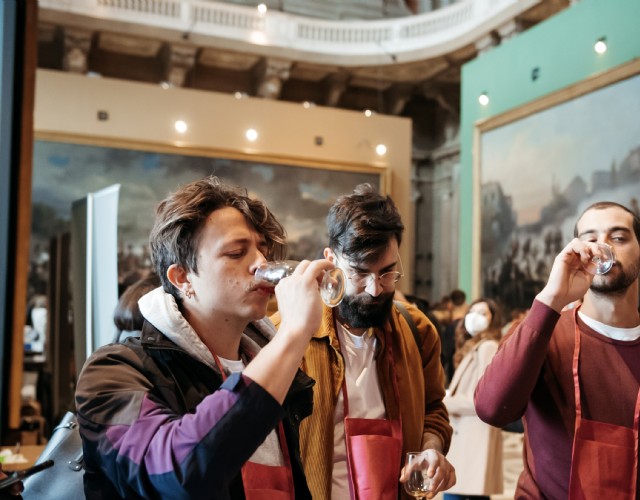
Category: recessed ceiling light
[251,134]
[180,126]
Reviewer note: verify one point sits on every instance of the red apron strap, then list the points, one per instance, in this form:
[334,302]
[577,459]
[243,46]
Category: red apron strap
[575,365]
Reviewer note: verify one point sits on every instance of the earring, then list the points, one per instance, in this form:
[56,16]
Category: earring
[189,293]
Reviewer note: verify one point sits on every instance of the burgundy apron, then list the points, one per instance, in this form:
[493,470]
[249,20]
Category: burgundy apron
[604,461]
[267,482]
[374,449]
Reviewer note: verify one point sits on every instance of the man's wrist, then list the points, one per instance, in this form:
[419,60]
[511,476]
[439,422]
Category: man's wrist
[550,300]
[431,441]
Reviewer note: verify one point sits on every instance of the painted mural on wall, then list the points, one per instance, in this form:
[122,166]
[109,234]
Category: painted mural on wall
[539,173]
[299,196]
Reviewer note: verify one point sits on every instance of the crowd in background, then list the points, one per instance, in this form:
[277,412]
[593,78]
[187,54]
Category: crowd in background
[448,317]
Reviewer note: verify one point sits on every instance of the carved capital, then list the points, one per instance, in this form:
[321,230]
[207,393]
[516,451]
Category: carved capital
[486,43]
[509,30]
[397,98]
[270,76]
[336,84]
[77,43]
[180,60]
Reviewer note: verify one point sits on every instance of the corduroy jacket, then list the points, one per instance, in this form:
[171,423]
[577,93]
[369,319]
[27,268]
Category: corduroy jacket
[420,381]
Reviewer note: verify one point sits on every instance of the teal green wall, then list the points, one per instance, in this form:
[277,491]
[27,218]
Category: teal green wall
[562,47]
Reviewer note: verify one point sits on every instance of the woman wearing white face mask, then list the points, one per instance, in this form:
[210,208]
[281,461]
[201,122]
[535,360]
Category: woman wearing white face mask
[476,448]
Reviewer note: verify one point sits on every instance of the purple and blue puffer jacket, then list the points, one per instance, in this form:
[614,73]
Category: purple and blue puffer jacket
[157,423]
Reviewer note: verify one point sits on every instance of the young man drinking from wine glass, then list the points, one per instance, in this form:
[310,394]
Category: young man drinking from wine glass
[573,374]
[206,403]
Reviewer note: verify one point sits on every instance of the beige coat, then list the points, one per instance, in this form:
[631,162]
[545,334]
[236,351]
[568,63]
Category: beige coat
[476,448]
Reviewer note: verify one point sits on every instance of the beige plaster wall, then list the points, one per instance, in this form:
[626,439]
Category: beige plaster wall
[143,116]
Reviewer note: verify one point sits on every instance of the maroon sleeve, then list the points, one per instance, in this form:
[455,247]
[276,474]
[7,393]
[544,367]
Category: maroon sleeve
[504,390]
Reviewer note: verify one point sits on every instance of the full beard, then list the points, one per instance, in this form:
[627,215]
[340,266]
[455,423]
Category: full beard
[365,311]
[607,284]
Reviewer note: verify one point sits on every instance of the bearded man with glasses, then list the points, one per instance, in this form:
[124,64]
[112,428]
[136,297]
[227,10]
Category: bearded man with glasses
[379,389]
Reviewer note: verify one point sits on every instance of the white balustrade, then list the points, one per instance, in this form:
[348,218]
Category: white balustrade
[340,42]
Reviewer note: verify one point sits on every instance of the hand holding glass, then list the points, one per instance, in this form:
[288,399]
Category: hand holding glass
[603,259]
[419,484]
[269,275]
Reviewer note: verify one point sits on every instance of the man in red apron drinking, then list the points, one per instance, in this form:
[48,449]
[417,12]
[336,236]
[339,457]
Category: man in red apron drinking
[379,388]
[574,374]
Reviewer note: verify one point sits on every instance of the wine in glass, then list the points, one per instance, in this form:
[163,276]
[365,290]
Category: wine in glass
[603,259]
[269,274]
[418,484]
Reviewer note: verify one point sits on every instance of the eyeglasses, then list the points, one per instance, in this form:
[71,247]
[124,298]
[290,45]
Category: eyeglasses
[362,280]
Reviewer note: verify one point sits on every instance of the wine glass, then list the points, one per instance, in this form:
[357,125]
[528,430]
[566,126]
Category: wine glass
[418,484]
[269,274]
[603,259]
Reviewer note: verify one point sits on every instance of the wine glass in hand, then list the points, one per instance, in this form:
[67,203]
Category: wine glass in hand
[270,273]
[418,484]
[603,259]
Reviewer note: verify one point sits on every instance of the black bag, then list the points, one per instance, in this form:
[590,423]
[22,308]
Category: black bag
[63,481]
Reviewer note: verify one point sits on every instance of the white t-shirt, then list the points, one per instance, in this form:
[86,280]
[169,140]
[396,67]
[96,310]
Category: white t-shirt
[269,452]
[611,331]
[365,399]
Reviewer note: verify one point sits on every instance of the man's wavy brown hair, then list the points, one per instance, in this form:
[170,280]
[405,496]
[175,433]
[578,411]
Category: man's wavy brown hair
[180,217]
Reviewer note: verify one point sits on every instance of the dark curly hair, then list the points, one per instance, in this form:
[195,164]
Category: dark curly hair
[601,205]
[362,223]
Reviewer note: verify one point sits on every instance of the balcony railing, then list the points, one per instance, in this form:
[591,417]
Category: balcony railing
[336,42]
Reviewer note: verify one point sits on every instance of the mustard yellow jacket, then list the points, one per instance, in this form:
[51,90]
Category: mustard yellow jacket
[420,381]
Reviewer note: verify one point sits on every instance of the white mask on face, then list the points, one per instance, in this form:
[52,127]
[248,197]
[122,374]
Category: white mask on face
[475,323]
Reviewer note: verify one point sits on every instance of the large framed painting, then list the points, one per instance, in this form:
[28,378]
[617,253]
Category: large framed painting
[64,171]
[539,166]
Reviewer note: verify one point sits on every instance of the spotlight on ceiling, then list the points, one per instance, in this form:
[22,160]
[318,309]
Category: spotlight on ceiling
[601,45]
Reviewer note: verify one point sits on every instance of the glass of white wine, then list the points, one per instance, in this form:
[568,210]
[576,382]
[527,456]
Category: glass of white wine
[418,484]
[603,259]
[269,274]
